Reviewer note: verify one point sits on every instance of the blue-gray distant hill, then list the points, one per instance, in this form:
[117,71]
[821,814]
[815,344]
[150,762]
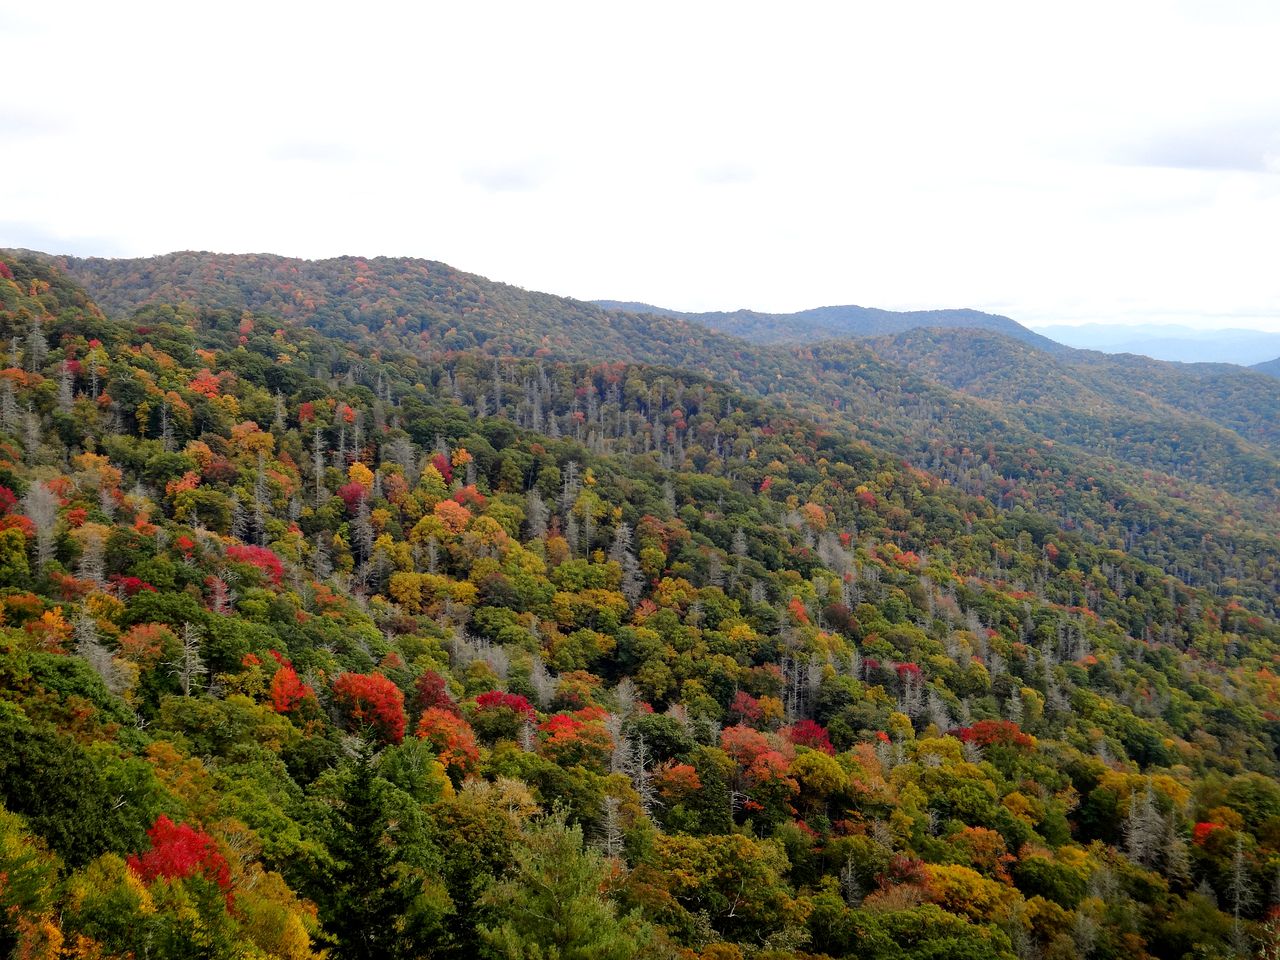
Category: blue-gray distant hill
[1171,342]
[836,323]
[1271,366]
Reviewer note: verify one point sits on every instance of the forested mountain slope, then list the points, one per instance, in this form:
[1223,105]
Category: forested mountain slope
[829,323]
[1202,507]
[996,367]
[1125,407]
[1271,367]
[418,304]
[311,643]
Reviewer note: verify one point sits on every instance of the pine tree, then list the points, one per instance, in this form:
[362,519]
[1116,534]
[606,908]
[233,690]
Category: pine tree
[37,346]
[98,657]
[621,553]
[572,534]
[278,424]
[365,906]
[92,554]
[31,436]
[66,395]
[41,506]
[1177,858]
[9,413]
[551,905]
[1142,828]
[189,667]
[535,514]
[570,486]
[317,466]
[611,827]
[1240,888]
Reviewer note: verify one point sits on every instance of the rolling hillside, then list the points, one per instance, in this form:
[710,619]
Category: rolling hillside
[318,645]
[1181,475]
[827,323]
[1223,421]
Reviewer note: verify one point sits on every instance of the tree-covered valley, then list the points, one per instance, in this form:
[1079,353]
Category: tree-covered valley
[369,609]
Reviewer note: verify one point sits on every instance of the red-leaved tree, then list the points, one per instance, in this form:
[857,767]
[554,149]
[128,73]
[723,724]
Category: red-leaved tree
[432,691]
[451,738]
[178,851]
[288,692]
[260,557]
[807,733]
[369,701]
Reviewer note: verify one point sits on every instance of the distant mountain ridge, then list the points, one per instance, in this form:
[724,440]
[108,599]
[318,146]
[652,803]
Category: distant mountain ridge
[838,322]
[1181,344]
[1271,367]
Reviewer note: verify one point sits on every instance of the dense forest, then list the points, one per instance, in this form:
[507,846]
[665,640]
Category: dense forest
[364,609]
[1174,468]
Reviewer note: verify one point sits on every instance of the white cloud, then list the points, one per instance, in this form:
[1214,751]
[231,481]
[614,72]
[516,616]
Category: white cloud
[1090,162]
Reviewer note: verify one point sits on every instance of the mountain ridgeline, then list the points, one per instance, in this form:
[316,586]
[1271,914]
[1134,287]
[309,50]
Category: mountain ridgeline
[835,323]
[370,609]
[1171,342]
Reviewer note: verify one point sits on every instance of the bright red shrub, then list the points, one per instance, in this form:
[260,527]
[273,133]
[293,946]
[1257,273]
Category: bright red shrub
[1202,831]
[260,557]
[205,382]
[745,745]
[179,851]
[745,708]
[287,690]
[442,464]
[432,692]
[796,608]
[986,733]
[452,739]
[906,670]
[580,737]
[807,733]
[371,700]
[131,586]
[19,521]
[469,496]
[352,495]
[498,699]
[675,781]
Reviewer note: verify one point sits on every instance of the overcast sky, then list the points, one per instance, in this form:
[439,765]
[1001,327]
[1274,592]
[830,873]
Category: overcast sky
[1114,162]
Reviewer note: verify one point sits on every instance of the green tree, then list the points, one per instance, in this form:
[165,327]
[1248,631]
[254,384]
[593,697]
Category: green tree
[551,904]
[14,568]
[371,893]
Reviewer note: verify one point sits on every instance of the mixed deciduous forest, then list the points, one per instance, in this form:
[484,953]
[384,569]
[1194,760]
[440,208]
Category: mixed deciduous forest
[367,609]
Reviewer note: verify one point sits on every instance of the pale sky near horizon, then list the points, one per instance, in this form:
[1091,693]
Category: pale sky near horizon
[1066,163]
